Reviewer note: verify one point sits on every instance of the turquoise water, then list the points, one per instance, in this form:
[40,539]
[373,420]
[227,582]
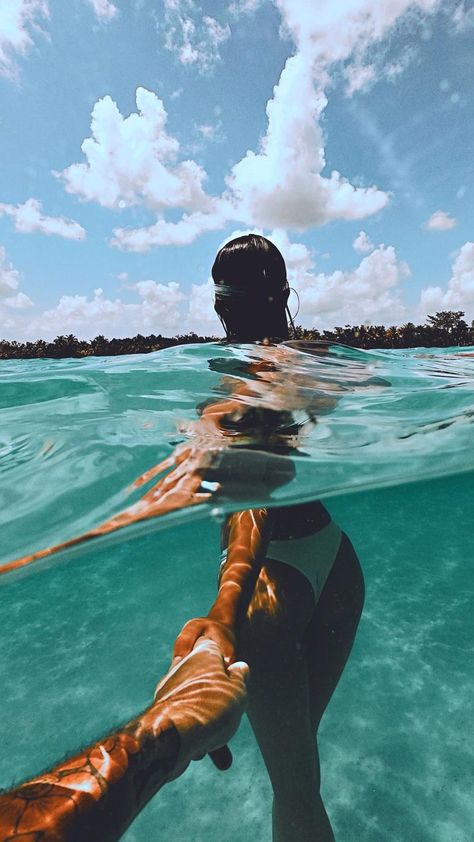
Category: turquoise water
[86,634]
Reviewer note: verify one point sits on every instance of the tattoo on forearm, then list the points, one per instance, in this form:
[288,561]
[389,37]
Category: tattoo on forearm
[70,802]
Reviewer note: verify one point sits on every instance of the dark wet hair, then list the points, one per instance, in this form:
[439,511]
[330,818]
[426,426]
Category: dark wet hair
[251,288]
[250,261]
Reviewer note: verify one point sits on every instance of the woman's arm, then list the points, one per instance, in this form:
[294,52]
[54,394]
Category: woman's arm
[186,467]
[247,538]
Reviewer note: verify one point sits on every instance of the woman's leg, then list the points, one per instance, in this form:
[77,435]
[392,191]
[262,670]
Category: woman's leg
[330,634]
[297,654]
[279,701]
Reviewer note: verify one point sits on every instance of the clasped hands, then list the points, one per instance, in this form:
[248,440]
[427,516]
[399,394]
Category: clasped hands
[203,694]
[221,695]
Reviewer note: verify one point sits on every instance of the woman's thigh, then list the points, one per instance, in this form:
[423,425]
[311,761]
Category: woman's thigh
[279,699]
[330,634]
[297,652]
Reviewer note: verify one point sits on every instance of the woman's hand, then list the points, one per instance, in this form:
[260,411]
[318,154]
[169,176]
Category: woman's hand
[215,630]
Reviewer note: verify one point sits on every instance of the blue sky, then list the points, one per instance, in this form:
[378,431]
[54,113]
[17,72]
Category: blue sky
[138,135]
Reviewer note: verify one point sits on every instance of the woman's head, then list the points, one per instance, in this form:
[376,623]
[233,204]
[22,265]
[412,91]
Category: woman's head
[251,289]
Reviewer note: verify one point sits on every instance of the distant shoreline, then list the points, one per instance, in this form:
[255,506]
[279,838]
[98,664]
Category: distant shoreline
[445,329]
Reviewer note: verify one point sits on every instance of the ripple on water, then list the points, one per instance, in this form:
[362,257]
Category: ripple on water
[83,642]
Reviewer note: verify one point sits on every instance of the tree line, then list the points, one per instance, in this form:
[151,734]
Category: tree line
[445,328]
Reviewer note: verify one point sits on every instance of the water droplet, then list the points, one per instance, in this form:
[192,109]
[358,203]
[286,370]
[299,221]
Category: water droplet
[218,514]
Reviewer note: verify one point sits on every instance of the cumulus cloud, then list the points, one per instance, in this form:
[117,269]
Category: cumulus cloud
[133,161]
[10,298]
[19,21]
[103,9]
[282,186]
[350,26]
[163,233]
[194,38]
[440,221]
[158,310]
[368,293]
[362,243]
[459,294]
[28,217]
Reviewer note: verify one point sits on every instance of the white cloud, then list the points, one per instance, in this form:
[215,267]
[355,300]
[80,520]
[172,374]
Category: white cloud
[103,9]
[362,243]
[369,293]
[133,161]
[244,7]
[163,233]
[78,314]
[212,131]
[282,186]
[194,38]
[359,77]
[28,217]
[20,301]
[19,20]
[459,294]
[201,316]
[463,17]
[392,70]
[9,276]
[440,221]
[158,310]
[10,298]
[349,26]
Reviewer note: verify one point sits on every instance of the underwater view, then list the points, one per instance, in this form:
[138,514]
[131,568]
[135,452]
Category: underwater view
[96,580]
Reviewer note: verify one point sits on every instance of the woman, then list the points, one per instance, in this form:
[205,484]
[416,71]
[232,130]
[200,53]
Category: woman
[290,589]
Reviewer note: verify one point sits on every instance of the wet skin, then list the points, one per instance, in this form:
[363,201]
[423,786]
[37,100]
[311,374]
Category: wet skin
[210,435]
[262,608]
[93,796]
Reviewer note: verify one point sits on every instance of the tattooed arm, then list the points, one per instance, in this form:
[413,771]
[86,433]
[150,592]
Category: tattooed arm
[94,796]
[247,537]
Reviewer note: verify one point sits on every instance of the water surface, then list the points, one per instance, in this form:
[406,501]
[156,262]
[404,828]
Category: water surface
[385,439]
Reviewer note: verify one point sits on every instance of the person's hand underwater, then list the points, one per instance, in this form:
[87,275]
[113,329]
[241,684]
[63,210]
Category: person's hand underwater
[215,630]
[205,700]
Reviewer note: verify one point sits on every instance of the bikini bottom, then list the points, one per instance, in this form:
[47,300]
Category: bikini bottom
[313,555]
